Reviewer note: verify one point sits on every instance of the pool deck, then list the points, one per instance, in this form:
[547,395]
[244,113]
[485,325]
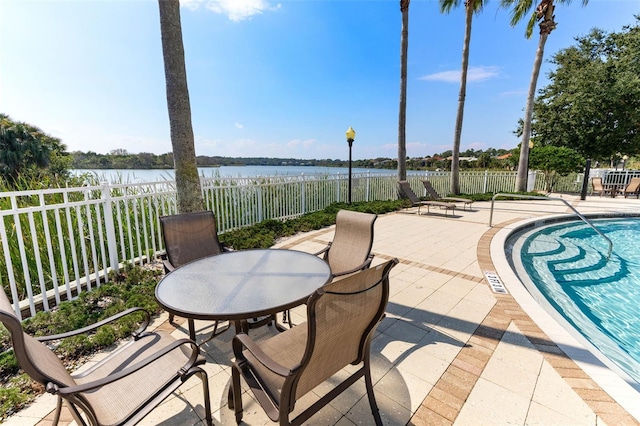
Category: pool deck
[450,351]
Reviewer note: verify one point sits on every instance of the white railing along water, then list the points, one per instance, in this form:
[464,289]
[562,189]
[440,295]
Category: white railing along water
[57,243]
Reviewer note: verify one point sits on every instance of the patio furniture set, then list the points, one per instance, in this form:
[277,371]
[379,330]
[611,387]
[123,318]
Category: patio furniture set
[345,300]
[613,189]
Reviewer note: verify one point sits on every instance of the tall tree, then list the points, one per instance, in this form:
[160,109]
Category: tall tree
[29,155]
[592,103]
[544,14]
[188,188]
[402,116]
[470,7]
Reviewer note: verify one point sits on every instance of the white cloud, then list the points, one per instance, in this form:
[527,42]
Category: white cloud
[301,143]
[474,74]
[235,10]
[521,92]
[238,125]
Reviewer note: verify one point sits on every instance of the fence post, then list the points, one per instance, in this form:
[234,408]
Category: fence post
[259,203]
[338,188]
[109,227]
[302,196]
[367,189]
[486,181]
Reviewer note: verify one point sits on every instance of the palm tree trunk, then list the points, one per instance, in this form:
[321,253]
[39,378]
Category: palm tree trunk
[455,161]
[402,115]
[523,163]
[546,26]
[189,193]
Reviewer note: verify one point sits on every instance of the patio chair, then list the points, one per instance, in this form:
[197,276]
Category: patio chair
[343,316]
[188,237]
[598,186]
[433,194]
[350,250]
[121,389]
[192,236]
[632,188]
[406,192]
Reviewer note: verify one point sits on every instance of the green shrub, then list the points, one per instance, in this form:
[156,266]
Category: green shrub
[105,336]
[19,391]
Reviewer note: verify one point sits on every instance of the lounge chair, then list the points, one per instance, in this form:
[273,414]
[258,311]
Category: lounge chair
[433,194]
[342,318]
[188,237]
[598,186]
[632,188]
[122,388]
[407,192]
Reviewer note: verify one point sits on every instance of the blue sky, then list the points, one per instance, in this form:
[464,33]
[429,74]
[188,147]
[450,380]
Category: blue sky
[276,79]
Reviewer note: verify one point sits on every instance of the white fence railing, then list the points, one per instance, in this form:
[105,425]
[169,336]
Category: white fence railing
[57,243]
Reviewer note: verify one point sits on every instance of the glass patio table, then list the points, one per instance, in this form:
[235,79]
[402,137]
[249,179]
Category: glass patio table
[241,285]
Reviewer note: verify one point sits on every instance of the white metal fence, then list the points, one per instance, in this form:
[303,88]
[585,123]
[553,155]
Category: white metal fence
[56,243]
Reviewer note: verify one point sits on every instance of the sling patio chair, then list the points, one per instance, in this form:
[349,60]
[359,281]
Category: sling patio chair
[632,188]
[342,317]
[188,237]
[122,388]
[598,186]
[433,194]
[350,250]
[406,192]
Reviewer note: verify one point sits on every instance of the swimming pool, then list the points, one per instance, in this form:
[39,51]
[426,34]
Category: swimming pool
[564,266]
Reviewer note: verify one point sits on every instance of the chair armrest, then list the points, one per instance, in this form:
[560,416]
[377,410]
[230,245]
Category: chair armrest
[70,390]
[323,251]
[243,340]
[92,327]
[168,267]
[360,267]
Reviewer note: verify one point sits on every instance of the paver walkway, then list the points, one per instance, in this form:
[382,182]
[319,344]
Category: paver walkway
[450,351]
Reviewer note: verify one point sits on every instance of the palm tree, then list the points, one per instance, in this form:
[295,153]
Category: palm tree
[471,7]
[544,13]
[189,193]
[402,116]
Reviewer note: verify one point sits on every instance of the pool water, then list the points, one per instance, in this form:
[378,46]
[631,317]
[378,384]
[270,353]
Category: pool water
[567,262]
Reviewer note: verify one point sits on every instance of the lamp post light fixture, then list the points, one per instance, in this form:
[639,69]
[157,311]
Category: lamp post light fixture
[351,136]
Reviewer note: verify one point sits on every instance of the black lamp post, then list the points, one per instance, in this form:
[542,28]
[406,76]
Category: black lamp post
[351,135]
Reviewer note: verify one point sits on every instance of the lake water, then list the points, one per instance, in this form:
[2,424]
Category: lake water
[154,175]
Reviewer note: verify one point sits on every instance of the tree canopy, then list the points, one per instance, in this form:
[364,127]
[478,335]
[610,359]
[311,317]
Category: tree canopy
[592,104]
[29,154]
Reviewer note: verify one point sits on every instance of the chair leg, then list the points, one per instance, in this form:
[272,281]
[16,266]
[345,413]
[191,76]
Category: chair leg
[56,416]
[235,394]
[171,316]
[372,398]
[207,400]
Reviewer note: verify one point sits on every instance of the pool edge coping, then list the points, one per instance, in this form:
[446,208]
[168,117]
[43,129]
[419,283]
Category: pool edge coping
[621,391]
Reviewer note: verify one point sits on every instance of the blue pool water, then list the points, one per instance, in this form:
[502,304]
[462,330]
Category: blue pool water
[599,297]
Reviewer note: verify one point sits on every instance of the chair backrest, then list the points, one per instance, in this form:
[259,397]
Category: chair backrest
[342,317]
[431,192]
[190,236]
[36,359]
[352,241]
[407,192]
[597,184]
[634,185]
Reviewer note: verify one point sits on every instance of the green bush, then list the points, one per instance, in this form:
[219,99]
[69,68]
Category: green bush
[265,234]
